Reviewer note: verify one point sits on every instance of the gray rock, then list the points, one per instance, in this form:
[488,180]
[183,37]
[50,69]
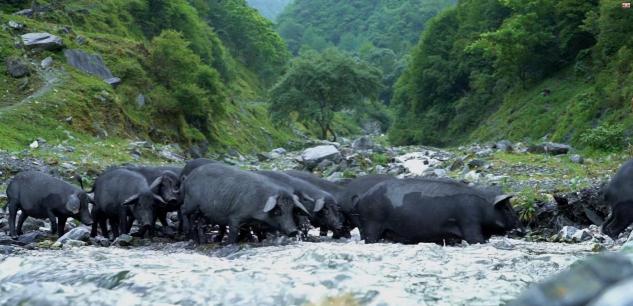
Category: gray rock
[46,63]
[80,40]
[280,151]
[100,241]
[550,148]
[31,237]
[484,153]
[504,146]
[123,240]
[618,295]
[73,244]
[113,81]
[440,172]
[363,143]
[313,156]
[577,159]
[7,249]
[25,12]
[140,100]
[458,164]
[262,157]
[88,63]
[42,41]
[16,67]
[579,284]
[15,25]
[32,224]
[4,223]
[78,234]
[476,164]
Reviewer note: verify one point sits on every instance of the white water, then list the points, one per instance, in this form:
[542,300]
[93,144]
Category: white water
[292,274]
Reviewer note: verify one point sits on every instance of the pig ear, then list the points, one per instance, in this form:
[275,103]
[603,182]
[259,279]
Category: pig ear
[319,204]
[501,199]
[130,200]
[73,204]
[298,204]
[159,199]
[154,187]
[270,203]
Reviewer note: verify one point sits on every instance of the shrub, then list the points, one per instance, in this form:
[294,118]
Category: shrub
[607,137]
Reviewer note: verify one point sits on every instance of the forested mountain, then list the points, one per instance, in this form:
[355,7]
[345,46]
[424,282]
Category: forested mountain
[269,8]
[493,69]
[380,32]
[187,70]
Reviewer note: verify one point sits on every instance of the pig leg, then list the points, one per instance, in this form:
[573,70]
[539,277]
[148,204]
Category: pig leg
[123,226]
[21,220]
[114,226]
[103,223]
[53,220]
[234,231]
[221,234]
[372,232]
[13,211]
[61,226]
[95,223]
[162,217]
[323,231]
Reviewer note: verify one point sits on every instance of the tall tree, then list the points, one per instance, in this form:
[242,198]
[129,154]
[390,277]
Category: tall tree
[318,85]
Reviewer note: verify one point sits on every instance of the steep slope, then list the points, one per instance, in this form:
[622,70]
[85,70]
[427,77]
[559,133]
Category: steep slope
[180,81]
[380,32]
[521,70]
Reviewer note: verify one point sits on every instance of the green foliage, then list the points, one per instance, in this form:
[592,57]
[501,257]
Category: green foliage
[250,37]
[607,137]
[317,86]
[380,32]
[493,69]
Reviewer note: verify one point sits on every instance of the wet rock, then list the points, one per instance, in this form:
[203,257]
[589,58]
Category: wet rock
[579,284]
[572,234]
[363,143]
[504,244]
[549,148]
[504,146]
[100,241]
[42,41]
[313,156]
[7,250]
[577,159]
[69,244]
[123,241]
[585,207]
[4,223]
[79,233]
[16,67]
[32,237]
[458,164]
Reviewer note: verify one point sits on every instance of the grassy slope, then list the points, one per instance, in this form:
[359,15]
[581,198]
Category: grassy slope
[573,107]
[95,106]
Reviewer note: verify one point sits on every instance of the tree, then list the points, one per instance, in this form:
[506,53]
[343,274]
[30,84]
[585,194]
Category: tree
[318,85]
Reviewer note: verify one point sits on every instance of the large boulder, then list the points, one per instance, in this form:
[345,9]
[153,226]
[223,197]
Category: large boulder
[363,143]
[550,148]
[313,156]
[16,67]
[43,41]
[91,64]
[581,284]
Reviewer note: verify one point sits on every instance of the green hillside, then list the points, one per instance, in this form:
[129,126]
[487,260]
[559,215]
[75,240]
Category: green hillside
[186,75]
[521,70]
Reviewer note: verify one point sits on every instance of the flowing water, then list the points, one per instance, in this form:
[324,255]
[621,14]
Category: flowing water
[295,273]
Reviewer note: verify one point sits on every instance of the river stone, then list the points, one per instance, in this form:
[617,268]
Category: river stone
[504,146]
[123,240]
[79,233]
[100,241]
[32,224]
[46,63]
[280,151]
[44,41]
[32,237]
[550,148]
[572,234]
[313,156]
[16,67]
[7,249]
[476,163]
[113,81]
[363,143]
[580,283]
[15,25]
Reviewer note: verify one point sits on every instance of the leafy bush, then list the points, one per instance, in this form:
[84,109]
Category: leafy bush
[607,137]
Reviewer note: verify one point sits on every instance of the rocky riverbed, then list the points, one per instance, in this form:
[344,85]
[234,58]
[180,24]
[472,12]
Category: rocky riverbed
[558,195]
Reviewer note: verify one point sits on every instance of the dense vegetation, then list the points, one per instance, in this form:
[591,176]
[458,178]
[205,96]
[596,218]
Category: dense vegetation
[380,32]
[318,85]
[198,64]
[520,69]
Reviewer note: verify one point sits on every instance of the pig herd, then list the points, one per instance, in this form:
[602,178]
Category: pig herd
[209,193]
